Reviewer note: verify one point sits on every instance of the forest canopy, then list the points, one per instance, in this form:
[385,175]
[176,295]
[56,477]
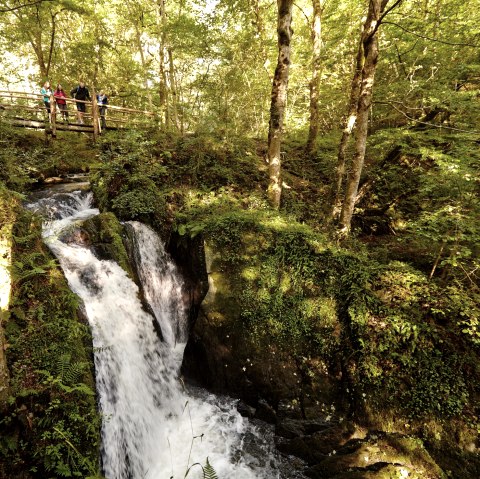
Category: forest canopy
[210,64]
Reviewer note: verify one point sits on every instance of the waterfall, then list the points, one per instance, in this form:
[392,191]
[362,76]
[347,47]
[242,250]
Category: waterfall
[152,427]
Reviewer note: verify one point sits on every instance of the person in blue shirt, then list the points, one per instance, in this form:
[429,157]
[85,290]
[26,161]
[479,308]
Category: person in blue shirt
[46,92]
[102,101]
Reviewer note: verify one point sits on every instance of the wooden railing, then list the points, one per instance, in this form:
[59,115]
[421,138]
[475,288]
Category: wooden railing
[28,109]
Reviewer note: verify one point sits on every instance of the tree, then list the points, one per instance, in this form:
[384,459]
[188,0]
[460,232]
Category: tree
[316,70]
[349,124]
[278,100]
[369,45]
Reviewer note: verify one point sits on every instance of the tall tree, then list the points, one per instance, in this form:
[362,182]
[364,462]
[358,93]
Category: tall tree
[278,101]
[348,125]
[316,71]
[369,41]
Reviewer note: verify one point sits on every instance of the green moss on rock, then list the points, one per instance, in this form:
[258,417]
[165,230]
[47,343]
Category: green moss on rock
[105,234]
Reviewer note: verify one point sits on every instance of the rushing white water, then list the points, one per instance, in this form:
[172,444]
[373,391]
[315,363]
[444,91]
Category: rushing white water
[152,428]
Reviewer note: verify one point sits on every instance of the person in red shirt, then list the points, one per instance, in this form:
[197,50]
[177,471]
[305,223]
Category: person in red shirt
[61,101]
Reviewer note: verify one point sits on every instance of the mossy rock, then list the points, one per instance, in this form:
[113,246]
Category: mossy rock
[379,456]
[104,233]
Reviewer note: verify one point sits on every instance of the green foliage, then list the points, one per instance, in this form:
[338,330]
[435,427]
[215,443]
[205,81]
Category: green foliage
[51,423]
[209,471]
[125,183]
[297,292]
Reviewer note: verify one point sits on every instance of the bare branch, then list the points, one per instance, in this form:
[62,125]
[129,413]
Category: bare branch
[420,122]
[18,7]
[430,38]
[386,12]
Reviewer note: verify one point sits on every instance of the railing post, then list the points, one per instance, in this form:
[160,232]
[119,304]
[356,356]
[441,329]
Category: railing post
[53,115]
[96,123]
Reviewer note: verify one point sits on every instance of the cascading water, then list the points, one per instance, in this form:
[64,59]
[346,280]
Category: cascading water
[152,428]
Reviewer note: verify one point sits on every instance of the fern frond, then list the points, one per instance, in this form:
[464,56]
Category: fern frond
[209,471]
[68,371]
[63,364]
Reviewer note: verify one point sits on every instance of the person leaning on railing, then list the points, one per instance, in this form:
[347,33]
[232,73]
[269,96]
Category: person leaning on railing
[80,92]
[61,100]
[46,92]
[102,101]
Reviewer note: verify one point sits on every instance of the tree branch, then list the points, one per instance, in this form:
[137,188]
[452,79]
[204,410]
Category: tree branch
[430,38]
[473,132]
[18,7]
[386,12]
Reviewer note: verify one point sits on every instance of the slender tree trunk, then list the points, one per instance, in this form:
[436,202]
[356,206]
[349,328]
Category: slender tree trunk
[370,54]
[348,126]
[173,89]
[52,44]
[163,88]
[144,67]
[278,101]
[260,26]
[36,42]
[316,71]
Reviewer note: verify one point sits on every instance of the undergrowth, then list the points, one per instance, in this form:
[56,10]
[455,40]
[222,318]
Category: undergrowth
[51,425]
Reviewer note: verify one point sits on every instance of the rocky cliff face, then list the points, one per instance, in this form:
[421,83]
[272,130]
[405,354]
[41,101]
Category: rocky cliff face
[223,356]
[319,419]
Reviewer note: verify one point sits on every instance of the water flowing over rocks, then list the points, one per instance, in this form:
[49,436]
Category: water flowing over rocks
[153,424]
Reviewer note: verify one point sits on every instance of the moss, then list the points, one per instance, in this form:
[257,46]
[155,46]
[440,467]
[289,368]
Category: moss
[51,427]
[105,234]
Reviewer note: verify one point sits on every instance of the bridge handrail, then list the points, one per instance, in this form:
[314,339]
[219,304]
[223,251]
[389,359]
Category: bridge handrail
[39,96]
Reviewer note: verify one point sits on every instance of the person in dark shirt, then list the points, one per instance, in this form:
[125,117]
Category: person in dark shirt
[80,92]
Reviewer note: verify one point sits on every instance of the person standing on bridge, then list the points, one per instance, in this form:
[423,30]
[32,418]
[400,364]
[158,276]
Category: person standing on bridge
[80,92]
[61,100]
[102,101]
[47,93]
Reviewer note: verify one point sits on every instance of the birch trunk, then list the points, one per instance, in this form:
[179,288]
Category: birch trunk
[316,72]
[278,101]
[370,55]
[348,126]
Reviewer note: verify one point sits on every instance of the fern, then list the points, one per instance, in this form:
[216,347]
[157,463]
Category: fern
[67,371]
[209,471]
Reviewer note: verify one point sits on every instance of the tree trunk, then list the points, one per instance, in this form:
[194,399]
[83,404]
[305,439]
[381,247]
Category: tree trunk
[348,126]
[316,71]
[279,96]
[173,89]
[36,42]
[52,43]
[163,89]
[370,55]
[138,37]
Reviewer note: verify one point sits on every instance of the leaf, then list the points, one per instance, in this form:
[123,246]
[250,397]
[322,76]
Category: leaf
[209,471]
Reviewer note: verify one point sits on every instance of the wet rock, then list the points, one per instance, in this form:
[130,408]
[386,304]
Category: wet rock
[377,471]
[316,447]
[265,412]
[301,448]
[245,409]
[53,180]
[290,428]
[379,455]
[76,236]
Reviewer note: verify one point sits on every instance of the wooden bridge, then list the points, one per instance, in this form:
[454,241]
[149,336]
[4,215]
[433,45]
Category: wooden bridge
[28,110]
